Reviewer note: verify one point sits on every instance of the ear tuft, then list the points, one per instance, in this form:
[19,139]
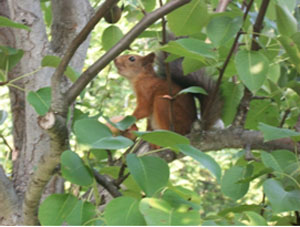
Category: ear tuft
[148,59]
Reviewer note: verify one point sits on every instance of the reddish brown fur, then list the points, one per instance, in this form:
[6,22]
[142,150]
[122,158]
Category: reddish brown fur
[150,90]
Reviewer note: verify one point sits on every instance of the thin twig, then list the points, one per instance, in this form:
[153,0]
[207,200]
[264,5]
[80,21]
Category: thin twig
[107,184]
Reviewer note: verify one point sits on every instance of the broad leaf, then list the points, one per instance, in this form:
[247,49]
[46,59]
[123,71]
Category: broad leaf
[262,111]
[149,5]
[191,48]
[123,211]
[223,28]
[82,214]
[232,94]
[160,212]
[193,90]
[89,131]
[74,170]
[111,36]
[229,184]
[54,61]
[188,19]
[292,50]
[40,100]
[55,209]
[163,138]
[151,173]
[112,143]
[252,67]
[280,199]
[9,57]
[273,133]
[286,22]
[255,219]
[5,22]
[124,123]
[206,160]
[190,65]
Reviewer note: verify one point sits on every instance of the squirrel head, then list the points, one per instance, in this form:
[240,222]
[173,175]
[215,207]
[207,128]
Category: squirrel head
[130,66]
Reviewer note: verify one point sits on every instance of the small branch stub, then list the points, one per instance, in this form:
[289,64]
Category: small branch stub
[47,122]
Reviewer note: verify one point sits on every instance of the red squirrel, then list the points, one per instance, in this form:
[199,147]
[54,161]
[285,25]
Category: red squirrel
[150,90]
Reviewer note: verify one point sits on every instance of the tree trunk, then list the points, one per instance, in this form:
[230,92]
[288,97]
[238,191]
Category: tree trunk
[30,141]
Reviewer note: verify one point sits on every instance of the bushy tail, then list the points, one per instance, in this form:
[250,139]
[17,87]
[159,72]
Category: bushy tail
[211,107]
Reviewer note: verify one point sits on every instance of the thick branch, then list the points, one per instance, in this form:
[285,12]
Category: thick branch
[124,43]
[78,40]
[8,197]
[237,138]
[45,168]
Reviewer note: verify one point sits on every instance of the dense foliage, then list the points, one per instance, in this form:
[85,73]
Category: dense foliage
[146,191]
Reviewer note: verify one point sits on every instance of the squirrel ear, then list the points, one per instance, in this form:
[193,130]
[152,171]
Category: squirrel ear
[149,58]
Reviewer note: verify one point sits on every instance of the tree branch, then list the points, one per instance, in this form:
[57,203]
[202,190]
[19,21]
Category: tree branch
[92,71]
[78,40]
[237,138]
[108,185]
[222,5]
[56,126]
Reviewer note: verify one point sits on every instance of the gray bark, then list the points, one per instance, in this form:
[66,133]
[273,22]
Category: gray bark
[30,141]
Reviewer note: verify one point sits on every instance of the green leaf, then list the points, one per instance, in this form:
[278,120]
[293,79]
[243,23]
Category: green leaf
[270,161]
[292,50]
[3,116]
[223,28]
[124,124]
[194,90]
[149,5]
[54,61]
[89,131]
[207,161]
[163,138]
[255,219]
[286,22]
[55,208]
[191,65]
[232,94]
[262,111]
[150,173]
[191,48]
[252,68]
[240,209]
[280,199]
[160,212]
[229,184]
[47,11]
[188,19]
[112,143]
[123,211]
[9,57]
[82,214]
[111,36]
[5,22]
[182,198]
[273,133]
[74,170]
[40,100]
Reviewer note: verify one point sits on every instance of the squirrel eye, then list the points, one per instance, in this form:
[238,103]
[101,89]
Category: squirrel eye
[131,58]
